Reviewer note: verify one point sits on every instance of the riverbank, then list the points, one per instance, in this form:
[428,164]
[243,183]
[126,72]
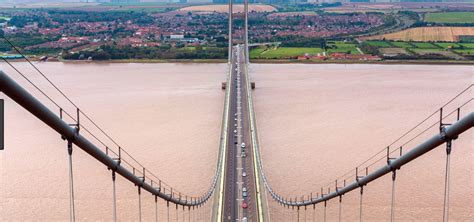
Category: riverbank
[272,61]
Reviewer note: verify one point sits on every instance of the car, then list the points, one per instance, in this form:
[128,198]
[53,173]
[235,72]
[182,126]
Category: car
[235,131]
[244,219]
[244,189]
[244,174]
[244,205]
[244,154]
[244,194]
[243,145]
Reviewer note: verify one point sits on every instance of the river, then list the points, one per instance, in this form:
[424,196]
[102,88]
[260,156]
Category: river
[315,123]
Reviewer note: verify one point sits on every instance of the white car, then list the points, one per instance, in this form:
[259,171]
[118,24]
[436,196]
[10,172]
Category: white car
[244,174]
[243,145]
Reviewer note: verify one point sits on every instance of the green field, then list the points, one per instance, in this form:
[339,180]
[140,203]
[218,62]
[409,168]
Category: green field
[345,47]
[255,53]
[467,45]
[282,52]
[417,50]
[465,51]
[450,17]
[381,44]
[424,45]
[446,49]
[132,3]
[447,45]
[402,44]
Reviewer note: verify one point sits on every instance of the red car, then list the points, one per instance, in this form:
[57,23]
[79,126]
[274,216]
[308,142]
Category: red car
[244,205]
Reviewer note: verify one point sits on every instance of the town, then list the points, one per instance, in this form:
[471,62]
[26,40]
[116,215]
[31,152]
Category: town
[173,34]
[296,33]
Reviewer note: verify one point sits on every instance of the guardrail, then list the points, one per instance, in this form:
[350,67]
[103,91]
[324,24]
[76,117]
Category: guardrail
[259,179]
[217,214]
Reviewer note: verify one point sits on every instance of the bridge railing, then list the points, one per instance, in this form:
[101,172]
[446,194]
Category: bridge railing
[366,172]
[262,208]
[217,213]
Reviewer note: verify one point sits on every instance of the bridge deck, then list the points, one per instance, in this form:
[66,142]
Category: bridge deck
[239,159]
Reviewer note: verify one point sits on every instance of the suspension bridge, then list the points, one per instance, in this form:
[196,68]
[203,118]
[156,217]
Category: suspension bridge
[239,189]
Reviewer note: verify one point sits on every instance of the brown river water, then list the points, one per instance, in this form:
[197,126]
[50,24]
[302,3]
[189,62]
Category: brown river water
[315,122]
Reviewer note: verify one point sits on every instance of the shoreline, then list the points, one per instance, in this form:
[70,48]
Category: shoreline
[270,61]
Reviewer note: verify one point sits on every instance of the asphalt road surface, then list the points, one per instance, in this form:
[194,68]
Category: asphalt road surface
[239,157]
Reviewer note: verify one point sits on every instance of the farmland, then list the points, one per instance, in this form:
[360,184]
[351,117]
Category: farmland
[424,45]
[224,8]
[380,44]
[344,47]
[448,49]
[426,34]
[450,17]
[402,44]
[388,50]
[282,52]
[293,52]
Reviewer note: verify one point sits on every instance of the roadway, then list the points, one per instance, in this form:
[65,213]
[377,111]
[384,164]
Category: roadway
[239,159]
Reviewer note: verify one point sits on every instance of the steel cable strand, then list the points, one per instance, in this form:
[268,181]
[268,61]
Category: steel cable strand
[67,98]
[70,116]
[280,200]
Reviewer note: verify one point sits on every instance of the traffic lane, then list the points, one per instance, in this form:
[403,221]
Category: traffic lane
[230,177]
[249,180]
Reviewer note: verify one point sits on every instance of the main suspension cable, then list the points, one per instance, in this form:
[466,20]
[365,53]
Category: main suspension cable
[80,112]
[286,202]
